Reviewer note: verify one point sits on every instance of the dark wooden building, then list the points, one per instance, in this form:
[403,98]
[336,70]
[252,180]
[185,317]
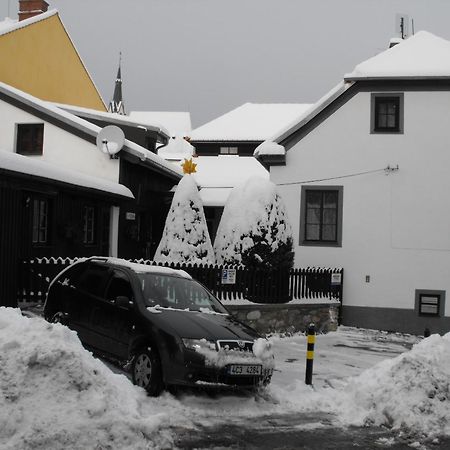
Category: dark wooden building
[46,215]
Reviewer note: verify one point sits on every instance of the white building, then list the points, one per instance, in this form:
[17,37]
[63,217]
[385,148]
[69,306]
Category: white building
[366,182]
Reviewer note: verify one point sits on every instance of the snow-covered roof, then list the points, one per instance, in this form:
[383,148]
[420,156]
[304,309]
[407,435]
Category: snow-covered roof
[178,123]
[218,175]
[423,55]
[249,122]
[31,166]
[8,25]
[310,113]
[86,127]
[115,118]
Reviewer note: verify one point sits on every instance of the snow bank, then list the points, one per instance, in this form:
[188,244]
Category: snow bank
[54,394]
[411,391]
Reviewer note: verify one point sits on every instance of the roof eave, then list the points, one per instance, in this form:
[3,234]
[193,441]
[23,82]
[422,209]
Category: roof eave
[352,79]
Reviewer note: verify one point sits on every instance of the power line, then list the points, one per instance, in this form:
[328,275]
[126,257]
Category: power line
[387,170]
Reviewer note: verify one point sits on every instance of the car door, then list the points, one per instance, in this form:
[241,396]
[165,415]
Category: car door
[86,298]
[113,322]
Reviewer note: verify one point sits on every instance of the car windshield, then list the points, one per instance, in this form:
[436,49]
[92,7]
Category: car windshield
[179,293]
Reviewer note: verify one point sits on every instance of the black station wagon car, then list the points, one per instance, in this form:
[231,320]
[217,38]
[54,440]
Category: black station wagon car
[158,322]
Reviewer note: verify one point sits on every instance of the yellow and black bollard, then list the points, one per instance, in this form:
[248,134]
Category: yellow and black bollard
[310,353]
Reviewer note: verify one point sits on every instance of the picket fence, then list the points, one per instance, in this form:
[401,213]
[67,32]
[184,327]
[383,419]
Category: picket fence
[226,282]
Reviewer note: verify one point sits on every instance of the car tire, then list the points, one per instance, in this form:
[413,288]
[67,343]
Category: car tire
[146,371]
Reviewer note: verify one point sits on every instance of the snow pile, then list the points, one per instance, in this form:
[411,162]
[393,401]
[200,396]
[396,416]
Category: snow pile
[254,229]
[185,237]
[269,148]
[54,394]
[411,391]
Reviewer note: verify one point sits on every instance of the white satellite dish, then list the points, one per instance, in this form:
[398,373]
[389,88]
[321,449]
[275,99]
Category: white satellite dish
[110,140]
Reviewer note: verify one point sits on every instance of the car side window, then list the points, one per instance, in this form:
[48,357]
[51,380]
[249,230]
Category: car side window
[119,285]
[93,280]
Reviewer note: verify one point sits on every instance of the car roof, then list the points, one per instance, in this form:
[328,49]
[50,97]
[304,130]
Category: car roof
[139,268]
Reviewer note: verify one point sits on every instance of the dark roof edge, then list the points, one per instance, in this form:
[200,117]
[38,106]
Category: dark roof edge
[398,78]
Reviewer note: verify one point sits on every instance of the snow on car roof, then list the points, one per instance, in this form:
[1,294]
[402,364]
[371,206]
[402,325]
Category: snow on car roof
[146,268]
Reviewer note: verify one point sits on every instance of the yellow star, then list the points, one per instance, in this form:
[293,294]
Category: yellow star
[188,166]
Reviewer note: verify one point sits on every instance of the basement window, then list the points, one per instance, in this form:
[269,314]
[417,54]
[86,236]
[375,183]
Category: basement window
[430,303]
[30,139]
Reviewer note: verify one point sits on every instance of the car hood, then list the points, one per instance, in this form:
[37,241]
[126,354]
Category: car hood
[198,325]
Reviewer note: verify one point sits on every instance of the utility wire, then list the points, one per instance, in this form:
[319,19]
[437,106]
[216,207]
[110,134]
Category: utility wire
[387,170]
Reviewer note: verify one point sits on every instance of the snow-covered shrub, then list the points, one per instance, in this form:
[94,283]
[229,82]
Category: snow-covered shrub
[185,237]
[254,229]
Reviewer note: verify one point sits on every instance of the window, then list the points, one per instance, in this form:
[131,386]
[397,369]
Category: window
[89,225]
[430,303]
[30,138]
[387,113]
[40,221]
[228,150]
[321,216]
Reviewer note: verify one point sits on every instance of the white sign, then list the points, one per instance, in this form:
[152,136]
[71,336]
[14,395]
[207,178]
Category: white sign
[336,278]
[130,216]
[228,276]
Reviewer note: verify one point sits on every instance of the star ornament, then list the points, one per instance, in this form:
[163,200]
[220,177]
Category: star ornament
[189,166]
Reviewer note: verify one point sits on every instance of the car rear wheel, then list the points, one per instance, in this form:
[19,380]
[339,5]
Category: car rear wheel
[146,371]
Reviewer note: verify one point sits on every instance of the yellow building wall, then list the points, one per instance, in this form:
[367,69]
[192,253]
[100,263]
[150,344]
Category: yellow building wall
[40,59]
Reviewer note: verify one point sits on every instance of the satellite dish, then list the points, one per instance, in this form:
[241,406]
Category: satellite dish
[110,140]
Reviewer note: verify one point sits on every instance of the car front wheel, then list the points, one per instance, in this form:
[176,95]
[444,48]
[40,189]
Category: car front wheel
[146,371]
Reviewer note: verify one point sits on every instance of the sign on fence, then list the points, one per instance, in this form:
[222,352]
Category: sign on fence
[228,276]
[336,279]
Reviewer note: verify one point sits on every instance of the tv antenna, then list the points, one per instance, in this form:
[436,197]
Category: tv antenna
[110,140]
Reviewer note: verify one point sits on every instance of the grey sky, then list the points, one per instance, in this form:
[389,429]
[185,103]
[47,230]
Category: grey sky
[209,56]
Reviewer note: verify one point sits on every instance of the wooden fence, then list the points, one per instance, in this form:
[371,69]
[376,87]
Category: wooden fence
[227,283]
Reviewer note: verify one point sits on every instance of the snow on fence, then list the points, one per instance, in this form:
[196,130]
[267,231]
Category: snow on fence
[226,282]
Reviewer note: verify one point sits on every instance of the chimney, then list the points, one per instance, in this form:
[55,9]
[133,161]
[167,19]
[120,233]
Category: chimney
[31,8]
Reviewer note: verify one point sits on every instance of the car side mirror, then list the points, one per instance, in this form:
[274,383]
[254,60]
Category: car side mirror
[123,302]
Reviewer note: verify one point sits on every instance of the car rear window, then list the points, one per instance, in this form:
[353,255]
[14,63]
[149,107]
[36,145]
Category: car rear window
[93,280]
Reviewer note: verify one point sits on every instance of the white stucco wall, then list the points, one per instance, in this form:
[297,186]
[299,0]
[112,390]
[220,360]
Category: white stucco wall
[60,147]
[396,228]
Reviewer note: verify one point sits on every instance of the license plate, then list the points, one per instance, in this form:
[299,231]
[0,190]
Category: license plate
[244,369]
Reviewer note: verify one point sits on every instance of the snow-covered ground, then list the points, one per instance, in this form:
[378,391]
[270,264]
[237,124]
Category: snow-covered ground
[54,394]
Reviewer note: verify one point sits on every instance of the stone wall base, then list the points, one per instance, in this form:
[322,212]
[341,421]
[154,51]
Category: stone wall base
[287,318]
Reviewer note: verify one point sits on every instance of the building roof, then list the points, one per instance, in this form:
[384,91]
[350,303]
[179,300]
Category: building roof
[217,175]
[178,125]
[83,128]
[423,55]
[49,46]
[115,118]
[8,25]
[420,57]
[249,122]
[35,167]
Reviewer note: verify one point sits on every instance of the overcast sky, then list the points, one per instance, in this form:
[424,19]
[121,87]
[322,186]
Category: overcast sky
[210,56]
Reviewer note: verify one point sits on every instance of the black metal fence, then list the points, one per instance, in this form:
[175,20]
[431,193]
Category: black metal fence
[226,282]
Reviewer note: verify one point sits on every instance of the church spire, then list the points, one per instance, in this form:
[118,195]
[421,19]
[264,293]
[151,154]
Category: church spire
[116,104]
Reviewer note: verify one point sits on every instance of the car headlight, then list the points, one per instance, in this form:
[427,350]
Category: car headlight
[199,344]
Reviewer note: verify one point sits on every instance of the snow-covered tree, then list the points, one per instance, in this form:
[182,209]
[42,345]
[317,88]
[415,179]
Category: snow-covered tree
[254,229]
[185,237]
